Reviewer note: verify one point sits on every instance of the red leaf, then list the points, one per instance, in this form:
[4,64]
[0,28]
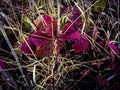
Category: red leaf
[39,38]
[42,41]
[48,47]
[45,50]
[50,25]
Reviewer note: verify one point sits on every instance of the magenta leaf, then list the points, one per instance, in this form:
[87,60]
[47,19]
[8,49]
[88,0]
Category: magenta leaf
[42,41]
[50,25]
[45,50]
[81,44]
[39,38]
[76,17]
[71,32]
[113,48]
[28,46]
[48,47]
[74,25]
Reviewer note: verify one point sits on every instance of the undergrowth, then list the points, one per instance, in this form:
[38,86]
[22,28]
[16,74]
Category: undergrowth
[59,45]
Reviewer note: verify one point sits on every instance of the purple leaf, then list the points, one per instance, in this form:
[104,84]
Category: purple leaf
[45,50]
[71,32]
[42,41]
[2,63]
[39,38]
[113,48]
[50,25]
[81,44]
[27,46]
[75,16]
[74,25]
[48,48]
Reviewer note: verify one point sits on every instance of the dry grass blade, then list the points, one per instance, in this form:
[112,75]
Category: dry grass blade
[65,68]
[34,78]
[58,10]
[13,52]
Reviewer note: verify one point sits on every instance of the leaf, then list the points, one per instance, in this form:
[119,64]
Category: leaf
[2,63]
[113,48]
[76,17]
[100,5]
[74,25]
[40,7]
[50,25]
[81,44]
[42,41]
[63,20]
[28,46]
[27,22]
[48,48]
[39,37]
[46,38]
[70,32]
[38,22]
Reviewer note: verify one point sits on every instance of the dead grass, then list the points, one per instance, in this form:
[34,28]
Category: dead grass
[52,73]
